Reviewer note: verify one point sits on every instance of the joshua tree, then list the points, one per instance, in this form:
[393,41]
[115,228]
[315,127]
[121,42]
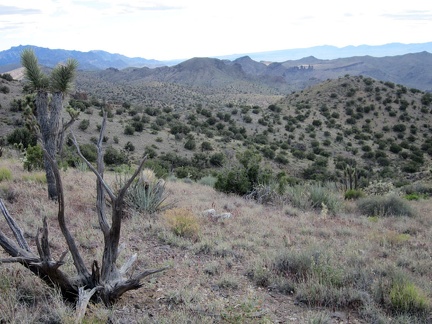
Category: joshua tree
[50,93]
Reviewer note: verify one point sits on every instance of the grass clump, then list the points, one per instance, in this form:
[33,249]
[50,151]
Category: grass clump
[5,174]
[38,177]
[293,264]
[405,297]
[353,194]
[383,206]
[314,196]
[399,295]
[182,222]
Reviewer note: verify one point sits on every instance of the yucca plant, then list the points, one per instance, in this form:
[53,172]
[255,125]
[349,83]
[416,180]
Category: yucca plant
[50,93]
[146,197]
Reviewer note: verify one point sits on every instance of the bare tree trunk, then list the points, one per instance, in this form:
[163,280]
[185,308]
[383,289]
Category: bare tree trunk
[48,117]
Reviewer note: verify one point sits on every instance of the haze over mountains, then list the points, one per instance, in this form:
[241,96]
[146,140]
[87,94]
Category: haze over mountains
[99,59]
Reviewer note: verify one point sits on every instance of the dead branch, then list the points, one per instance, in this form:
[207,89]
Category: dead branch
[105,283]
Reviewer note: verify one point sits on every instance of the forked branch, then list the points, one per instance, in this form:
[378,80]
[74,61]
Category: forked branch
[106,283]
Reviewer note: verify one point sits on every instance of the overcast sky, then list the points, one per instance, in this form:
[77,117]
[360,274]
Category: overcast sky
[181,29]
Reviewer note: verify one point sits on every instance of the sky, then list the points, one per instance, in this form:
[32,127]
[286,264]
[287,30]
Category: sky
[181,29]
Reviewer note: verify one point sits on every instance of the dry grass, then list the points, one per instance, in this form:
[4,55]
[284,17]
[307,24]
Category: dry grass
[232,271]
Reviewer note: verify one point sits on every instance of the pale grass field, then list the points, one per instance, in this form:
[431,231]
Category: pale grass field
[209,280]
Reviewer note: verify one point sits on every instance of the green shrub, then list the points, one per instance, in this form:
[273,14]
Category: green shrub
[129,130]
[33,159]
[389,205]
[294,264]
[208,181]
[322,197]
[129,147]
[217,159]
[352,194]
[22,136]
[234,180]
[418,188]
[206,146]
[84,124]
[114,157]
[407,298]
[313,196]
[190,145]
[5,174]
[414,196]
[89,151]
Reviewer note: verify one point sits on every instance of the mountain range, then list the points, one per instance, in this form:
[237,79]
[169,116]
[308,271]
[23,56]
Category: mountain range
[93,60]
[98,59]
[243,80]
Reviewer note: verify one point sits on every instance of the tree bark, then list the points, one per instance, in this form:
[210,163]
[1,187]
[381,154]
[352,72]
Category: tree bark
[48,116]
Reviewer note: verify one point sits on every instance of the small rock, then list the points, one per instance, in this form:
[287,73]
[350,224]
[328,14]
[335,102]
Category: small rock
[223,215]
[209,212]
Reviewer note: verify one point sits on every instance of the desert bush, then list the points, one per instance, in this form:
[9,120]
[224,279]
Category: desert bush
[89,151]
[217,159]
[5,174]
[22,136]
[265,194]
[84,124]
[351,194]
[129,130]
[389,205]
[33,159]
[321,197]
[114,157]
[4,89]
[234,180]
[313,196]
[296,265]
[129,147]
[182,222]
[405,297]
[397,293]
[418,188]
[190,145]
[206,146]
[208,181]
[379,188]
[6,76]
[260,275]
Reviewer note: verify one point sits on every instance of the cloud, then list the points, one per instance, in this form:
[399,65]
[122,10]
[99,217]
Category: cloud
[411,15]
[10,10]
[121,7]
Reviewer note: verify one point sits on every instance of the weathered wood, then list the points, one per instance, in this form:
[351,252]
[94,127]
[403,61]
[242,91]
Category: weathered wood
[70,241]
[83,300]
[106,283]
[16,230]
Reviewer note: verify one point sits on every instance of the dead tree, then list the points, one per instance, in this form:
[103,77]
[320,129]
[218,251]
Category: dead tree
[105,282]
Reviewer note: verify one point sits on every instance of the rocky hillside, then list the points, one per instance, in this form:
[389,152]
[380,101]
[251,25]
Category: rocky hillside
[381,128]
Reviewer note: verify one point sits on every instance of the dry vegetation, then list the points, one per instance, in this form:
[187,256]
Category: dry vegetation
[264,264]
